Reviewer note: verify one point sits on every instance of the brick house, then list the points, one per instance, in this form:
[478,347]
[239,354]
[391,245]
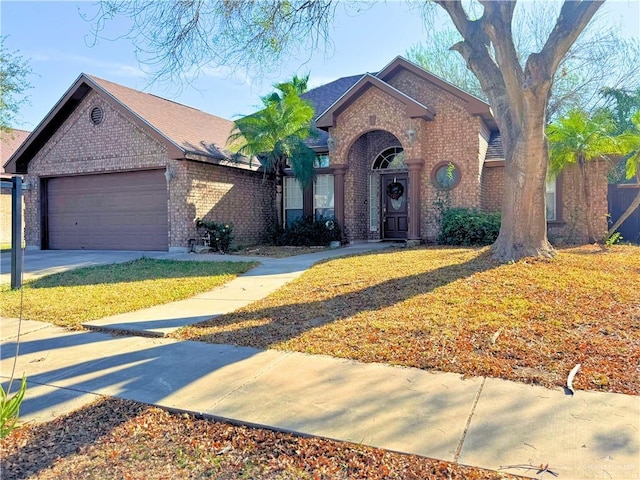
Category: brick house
[391,146]
[114,168]
[400,141]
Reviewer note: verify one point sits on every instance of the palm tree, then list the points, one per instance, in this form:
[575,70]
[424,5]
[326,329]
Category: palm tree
[630,143]
[579,138]
[276,135]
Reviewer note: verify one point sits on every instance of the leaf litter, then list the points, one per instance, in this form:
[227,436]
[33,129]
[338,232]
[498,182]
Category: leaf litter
[120,439]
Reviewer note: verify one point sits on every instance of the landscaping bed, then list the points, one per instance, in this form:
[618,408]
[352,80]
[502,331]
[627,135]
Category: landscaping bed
[457,310]
[71,298]
[120,439]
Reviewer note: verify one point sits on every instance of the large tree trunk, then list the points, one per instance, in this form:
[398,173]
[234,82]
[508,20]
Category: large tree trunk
[523,232]
[519,98]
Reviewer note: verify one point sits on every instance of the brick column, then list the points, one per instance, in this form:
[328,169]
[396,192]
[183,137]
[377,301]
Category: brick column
[415,169]
[338,193]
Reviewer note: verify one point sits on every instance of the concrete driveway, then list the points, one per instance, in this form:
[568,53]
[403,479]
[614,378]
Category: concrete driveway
[38,263]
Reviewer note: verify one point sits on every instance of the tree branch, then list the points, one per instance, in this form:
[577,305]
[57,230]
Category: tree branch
[496,23]
[574,17]
[475,49]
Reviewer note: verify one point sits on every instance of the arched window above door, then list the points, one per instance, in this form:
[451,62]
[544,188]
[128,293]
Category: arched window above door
[390,158]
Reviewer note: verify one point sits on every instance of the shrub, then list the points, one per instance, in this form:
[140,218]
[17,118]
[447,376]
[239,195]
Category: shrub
[468,227]
[275,235]
[220,235]
[306,231]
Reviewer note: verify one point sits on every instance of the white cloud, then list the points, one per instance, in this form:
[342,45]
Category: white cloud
[89,64]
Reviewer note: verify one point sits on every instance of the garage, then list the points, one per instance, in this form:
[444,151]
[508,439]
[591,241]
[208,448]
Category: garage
[115,211]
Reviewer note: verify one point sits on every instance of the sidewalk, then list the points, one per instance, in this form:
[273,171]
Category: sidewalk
[476,421]
[257,283]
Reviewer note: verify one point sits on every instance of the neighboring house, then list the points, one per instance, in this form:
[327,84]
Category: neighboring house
[114,168]
[9,143]
[392,146]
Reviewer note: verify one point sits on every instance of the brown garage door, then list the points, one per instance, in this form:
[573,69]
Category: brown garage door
[116,211]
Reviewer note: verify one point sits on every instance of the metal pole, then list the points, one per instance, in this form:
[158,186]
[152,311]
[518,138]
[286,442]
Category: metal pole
[16,232]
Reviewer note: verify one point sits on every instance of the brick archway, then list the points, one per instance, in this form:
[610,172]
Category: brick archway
[357,191]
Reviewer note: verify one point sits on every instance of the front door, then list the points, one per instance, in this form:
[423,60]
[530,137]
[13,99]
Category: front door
[395,216]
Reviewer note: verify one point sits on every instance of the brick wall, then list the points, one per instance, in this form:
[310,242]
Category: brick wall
[223,194]
[571,226]
[492,186]
[453,136]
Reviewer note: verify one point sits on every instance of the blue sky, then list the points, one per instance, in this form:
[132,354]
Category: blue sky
[56,39]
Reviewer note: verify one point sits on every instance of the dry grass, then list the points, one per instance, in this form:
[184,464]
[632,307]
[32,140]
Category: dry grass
[456,310]
[275,251]
[71,298]
[118,439]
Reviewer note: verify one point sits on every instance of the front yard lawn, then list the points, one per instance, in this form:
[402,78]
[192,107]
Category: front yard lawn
[457,310]
[70,298]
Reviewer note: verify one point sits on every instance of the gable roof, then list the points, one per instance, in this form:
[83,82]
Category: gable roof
[185,131]
[414,109]
[9,143]
[475,106]
[185,126]
[324,96]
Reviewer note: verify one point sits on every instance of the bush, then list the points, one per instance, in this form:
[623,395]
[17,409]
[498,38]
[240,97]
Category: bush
[306,231]
[275,235]
[220,235]
[467,227]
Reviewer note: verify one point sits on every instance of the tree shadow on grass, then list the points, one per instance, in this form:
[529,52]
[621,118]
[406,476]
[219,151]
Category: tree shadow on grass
[284,322]
[138,271]
[66,436]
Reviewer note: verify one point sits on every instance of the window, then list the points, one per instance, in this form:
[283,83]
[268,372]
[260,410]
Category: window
[321,161]
[374,202]
[445,175]
[551,200]
[293,200]
[323,196]
[390,158]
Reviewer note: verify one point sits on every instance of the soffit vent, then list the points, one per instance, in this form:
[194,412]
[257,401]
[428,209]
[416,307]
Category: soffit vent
[96,115]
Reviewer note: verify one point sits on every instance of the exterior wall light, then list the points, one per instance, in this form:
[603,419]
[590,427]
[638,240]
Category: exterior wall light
[169,174]
[331,143]
[411,136]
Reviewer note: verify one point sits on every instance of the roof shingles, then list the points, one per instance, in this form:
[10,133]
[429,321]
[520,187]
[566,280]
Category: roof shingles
[9,143]
[192,130]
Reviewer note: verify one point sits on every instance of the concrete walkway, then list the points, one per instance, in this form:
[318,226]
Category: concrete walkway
[258,283]
[481,422]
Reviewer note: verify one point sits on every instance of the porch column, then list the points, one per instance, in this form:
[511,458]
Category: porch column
[415,169]
[339,171]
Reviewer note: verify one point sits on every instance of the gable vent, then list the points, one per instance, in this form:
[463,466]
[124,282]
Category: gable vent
[97,115]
